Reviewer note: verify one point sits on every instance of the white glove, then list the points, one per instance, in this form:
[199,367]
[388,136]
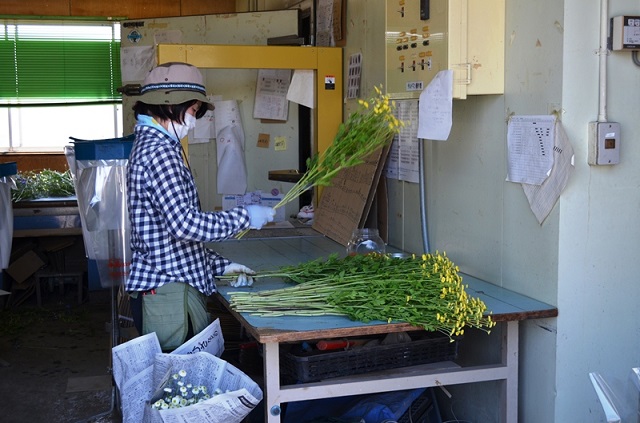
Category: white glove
[244,274]
[259,215]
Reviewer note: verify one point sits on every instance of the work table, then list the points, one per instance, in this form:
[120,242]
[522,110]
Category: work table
[508,308]
[46,217]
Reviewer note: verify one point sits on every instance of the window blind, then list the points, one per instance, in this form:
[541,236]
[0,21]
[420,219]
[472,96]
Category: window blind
[59,62]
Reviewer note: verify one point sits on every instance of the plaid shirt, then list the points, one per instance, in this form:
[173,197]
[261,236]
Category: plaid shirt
[168,229]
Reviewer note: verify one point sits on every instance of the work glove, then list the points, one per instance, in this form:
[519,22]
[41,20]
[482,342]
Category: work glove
[259,215]
[244,274]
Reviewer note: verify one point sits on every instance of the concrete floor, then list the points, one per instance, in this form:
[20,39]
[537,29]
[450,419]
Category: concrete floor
[54,359]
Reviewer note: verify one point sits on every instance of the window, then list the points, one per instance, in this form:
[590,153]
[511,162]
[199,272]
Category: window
[58,79]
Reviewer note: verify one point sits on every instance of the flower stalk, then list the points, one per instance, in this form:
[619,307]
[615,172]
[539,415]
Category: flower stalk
[366,130]
[425,291]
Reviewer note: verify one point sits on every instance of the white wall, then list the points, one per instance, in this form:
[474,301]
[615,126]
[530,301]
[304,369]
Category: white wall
[583,257]
[598,289]
[483,222]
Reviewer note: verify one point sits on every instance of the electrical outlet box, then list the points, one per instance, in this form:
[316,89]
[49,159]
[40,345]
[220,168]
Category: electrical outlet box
[624,33]
[604,143]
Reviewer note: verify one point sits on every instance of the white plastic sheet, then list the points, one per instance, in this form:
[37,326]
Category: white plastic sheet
[6,220]
[101,194]
[619,398]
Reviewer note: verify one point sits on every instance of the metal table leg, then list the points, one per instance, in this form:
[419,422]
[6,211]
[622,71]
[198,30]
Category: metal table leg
[114,341]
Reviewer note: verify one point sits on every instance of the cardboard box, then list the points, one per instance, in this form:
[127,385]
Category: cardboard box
[25,266]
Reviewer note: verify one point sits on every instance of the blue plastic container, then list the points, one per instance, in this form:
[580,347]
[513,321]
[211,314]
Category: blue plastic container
[107,149]
[8,169]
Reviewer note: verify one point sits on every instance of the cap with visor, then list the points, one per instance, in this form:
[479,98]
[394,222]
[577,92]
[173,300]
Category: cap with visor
[174,83]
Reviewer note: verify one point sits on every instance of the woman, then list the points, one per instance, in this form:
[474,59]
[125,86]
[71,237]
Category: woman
[172,271]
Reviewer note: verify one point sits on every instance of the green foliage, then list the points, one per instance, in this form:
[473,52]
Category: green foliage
[44,184]
[366,130]
[425,291]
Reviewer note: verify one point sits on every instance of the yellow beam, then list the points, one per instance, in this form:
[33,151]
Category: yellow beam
[328,101]
[240,56]
[326,61]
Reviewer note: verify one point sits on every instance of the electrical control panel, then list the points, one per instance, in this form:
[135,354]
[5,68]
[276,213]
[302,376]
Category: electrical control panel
[624,33]
[604,143]
[424,37]
[416,49]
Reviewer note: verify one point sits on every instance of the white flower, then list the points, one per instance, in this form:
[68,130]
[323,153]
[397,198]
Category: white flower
[179,393]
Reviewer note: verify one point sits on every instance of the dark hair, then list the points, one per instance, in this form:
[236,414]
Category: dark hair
[174,112]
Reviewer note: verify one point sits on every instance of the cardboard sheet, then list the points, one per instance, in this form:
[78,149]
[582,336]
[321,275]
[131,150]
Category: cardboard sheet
[345,205]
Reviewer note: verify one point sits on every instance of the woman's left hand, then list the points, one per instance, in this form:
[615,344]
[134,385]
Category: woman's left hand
[244,274]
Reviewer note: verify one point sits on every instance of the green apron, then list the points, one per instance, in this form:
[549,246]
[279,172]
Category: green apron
[167,313]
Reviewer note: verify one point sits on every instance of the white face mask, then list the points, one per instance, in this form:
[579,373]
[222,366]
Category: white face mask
[182,129]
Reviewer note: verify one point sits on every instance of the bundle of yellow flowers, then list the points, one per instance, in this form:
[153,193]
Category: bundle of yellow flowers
[366,130]
[425,291]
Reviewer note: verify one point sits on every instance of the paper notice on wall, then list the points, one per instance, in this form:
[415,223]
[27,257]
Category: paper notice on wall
[136,62]
[353,79]
[271,94]
[436,108]
[302,88]
[205,129]
[232,170]
[227,113]
[542,198]
[403,160]
[530,141]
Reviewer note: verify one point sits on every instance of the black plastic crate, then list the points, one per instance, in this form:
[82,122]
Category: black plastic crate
[317,365]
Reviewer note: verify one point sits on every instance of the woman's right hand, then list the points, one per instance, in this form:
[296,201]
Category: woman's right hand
[259,215]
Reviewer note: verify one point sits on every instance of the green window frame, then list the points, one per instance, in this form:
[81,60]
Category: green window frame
[44,62]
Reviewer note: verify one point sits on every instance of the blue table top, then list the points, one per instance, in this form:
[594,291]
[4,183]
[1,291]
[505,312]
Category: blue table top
[268,254]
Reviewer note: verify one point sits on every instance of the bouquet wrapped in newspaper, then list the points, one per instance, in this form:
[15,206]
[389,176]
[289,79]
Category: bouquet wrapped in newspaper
[190,385]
